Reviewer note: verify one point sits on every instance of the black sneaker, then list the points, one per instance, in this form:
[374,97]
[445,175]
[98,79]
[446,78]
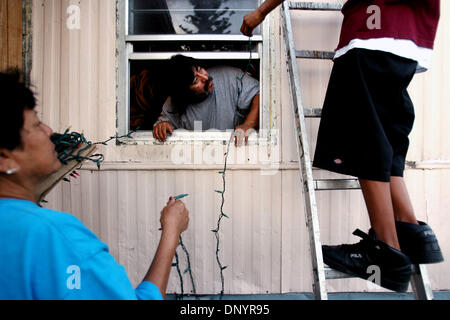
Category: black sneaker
[359,260]
[418,242]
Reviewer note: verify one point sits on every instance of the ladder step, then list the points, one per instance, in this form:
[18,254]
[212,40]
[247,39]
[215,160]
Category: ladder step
[312,112]
[334,274]
[314,54]
[336,184]
[323,6]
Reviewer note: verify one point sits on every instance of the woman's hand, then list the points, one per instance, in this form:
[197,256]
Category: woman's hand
[174,220]
[174,217]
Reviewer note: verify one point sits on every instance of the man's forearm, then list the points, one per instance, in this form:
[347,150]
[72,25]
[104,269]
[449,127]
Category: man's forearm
[253,116]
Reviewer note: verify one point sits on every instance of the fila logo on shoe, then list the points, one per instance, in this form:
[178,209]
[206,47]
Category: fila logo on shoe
[356,255]
[428,233]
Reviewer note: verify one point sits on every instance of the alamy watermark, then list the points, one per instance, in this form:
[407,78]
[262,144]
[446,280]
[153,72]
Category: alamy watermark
[374,280]
[74,280]
[374,20]
[263,152]
[73,21]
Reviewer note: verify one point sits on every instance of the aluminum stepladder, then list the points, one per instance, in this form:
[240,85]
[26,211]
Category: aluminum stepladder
[419,280]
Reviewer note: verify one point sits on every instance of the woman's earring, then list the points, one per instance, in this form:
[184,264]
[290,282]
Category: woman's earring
[11,171]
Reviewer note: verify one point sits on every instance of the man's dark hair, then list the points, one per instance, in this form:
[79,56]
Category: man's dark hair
[181,70]
[15,97]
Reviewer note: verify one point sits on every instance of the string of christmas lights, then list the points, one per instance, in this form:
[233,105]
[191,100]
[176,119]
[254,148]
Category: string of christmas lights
[221,216]
[69,146]
[177,265]
[223,172]
[188,269]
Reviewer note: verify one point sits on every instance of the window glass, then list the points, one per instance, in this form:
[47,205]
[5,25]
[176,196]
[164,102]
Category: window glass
[188,16]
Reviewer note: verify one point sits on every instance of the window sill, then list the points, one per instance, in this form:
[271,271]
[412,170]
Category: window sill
[182,136]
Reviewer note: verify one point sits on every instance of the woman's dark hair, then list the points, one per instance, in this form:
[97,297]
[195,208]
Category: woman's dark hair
[182,76]
[15,97]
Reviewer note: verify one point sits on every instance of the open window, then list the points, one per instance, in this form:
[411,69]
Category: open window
[150,32]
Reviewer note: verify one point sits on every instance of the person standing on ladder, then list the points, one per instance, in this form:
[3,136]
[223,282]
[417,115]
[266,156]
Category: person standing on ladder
[366,120]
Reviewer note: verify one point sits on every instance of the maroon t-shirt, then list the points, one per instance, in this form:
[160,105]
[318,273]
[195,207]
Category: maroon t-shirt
[415,20]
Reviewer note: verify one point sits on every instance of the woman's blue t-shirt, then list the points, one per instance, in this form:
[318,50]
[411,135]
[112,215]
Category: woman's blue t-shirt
[46,254]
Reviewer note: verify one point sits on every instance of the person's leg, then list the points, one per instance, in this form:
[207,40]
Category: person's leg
[356,144]
[403,209]
[417,239]
[380,247]
[377,196]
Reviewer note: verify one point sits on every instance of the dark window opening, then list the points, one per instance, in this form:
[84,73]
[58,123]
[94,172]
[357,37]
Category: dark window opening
[148,92]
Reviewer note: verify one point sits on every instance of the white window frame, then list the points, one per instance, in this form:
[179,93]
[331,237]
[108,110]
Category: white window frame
[125,54]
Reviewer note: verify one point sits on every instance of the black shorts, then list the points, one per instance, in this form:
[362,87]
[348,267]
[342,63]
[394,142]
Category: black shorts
[367,116]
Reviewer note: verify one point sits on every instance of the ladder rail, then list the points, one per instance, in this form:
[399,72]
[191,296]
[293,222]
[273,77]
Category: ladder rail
[420,283]
[312,219]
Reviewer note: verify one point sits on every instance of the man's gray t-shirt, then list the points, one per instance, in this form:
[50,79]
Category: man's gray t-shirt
[218,110]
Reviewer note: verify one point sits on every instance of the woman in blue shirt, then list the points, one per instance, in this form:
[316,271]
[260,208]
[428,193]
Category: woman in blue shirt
[45,254]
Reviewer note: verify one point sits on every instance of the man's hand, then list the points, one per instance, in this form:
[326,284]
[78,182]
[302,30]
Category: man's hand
[251,21]
[251,122]
[241,132]
[161,129]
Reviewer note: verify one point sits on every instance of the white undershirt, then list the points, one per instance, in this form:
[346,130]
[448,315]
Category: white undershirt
[400,47]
